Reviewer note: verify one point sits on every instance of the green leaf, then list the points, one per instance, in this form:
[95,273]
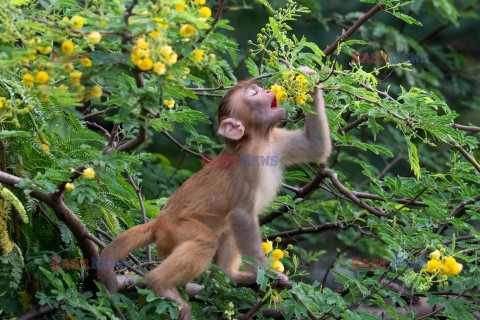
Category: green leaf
[252,67]
[315,49]
[11,134]
[280,37]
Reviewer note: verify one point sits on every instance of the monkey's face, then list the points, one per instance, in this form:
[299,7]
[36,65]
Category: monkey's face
[262,105]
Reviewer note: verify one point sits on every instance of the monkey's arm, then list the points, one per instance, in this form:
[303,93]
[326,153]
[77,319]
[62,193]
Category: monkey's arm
[311,144]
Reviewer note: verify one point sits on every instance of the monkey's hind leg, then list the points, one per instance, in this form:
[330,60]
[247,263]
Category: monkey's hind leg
[186,262]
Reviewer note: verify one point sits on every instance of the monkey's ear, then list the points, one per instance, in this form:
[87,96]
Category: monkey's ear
[231,129]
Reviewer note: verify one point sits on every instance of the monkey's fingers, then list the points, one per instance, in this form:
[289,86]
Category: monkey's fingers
[281,284]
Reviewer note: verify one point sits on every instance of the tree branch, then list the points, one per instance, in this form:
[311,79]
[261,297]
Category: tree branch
[353,28]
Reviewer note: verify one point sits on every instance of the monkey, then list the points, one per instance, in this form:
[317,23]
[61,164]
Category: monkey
[214,214]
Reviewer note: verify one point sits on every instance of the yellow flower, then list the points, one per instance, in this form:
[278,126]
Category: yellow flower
[171,58]
[135,58]
[169,77]
[205,12]
[187,30]
[86,62]
[68,67]
[76,75]
[186,70]
[197,55]
[267,246]
[181,7]
[89,173]
[200,2]
[162,23]
[166,50]
[78,22]
[289,75]
[278,239]
[433,265]
[145,64]
[32,55]
[69,186]
[435,255]
[44,146]
[459,267]
[277,254]
[42,77]
[94,37]
[279,92]
[1,104]
[141,44]
[96,91]
[450,267]
[303,82]
[272,61]
[169,103]
[154,33]
[28,80]
[159,68]
[63,87]
[44,50]
[301,98]
[277,265]
[67,46]
[275,88]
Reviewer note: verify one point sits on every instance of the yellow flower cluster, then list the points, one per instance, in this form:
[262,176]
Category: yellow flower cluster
[96,91]
[75,76]
[162,23]
[78,22]
[277,254]
[41,78]
[141,55]
[187,30]
[297,86]
[89,173]
[197,55]
[67,46]
[168,54]
[181,7]
[169,103]
[205,12]
[444,265]
[69,186]
[279,92]
[94,37]
[86,62]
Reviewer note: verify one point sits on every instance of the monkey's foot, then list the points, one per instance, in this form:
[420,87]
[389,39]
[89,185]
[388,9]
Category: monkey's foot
[193,289]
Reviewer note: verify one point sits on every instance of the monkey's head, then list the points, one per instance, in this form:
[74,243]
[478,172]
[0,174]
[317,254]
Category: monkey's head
[248,109]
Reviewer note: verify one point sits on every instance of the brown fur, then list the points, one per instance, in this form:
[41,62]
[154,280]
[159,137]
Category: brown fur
[214,214]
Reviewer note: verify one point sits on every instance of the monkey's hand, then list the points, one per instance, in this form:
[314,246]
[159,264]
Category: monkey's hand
[282,282]
[306,70]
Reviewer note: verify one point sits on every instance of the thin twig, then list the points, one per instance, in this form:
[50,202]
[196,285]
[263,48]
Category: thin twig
[353,28]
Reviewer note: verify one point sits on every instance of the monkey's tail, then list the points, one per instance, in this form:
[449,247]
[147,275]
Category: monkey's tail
[134,238]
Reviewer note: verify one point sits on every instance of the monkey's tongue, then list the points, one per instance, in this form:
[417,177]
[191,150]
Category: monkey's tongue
[274,104]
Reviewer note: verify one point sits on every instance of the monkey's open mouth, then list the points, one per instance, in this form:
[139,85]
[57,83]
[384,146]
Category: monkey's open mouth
[274,104]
